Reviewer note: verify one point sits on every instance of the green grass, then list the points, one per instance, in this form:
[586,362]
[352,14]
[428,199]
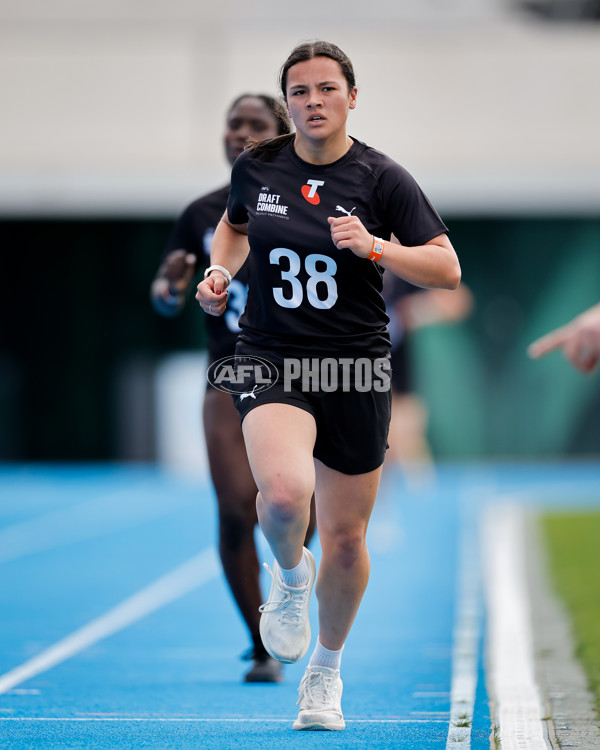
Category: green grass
[573,543]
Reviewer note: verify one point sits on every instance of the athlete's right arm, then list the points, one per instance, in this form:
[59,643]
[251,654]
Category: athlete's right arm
[229,249]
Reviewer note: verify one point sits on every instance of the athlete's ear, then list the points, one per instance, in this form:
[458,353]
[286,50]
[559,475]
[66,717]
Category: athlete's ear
[353,94]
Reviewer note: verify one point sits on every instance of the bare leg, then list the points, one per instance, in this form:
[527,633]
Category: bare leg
[236,493]
[279,441]
[344,505]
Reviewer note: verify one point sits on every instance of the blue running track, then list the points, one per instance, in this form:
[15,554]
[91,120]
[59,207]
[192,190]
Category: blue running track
[118,631]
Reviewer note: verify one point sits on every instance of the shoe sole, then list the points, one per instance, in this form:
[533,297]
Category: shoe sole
[316,726]
[313,574]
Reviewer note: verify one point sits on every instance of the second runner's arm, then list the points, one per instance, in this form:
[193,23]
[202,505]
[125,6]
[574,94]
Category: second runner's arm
[229,249]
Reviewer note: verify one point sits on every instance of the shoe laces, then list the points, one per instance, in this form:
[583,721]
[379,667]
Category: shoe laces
[291,606]
[317,689]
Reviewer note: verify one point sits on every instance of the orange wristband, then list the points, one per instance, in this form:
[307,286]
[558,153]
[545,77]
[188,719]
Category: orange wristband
[377,249]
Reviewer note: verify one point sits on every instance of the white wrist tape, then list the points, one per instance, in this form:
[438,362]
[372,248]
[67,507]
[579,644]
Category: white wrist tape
[224,271]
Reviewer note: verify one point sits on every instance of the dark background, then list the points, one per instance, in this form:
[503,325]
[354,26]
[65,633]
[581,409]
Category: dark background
[80,342]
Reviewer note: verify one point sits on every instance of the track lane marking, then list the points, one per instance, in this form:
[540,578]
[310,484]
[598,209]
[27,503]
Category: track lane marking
[190,575]
[467,626]
[206,720]
[518,704]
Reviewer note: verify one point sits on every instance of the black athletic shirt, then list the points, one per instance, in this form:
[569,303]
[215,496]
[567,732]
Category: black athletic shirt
[394,289]
[306,295]
[193,232]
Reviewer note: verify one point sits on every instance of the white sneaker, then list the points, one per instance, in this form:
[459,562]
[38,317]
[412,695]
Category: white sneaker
[284,625]
[320,700]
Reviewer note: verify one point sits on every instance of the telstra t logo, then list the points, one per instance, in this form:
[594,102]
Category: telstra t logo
[309,191]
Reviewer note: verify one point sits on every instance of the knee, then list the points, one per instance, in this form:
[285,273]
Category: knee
[285,502]
[346,547]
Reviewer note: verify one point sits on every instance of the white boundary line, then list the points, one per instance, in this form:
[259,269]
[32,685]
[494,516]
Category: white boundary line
[467,628]
[193,573]
[518,707]
[207,720]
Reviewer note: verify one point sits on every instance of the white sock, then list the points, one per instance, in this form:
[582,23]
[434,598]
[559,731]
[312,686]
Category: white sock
[297,576]
[324,657]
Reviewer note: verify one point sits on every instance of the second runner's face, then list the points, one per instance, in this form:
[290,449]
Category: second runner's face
[318,98]
[250,118]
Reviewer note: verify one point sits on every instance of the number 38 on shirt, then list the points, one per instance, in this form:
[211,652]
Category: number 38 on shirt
[292,294]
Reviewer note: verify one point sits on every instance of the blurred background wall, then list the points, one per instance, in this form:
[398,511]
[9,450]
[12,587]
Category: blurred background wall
[111,122]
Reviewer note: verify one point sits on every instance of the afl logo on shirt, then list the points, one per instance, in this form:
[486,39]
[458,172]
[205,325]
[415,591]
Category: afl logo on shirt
[309,191]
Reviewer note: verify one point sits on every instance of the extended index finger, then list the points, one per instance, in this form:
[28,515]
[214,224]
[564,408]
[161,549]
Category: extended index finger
[548,343]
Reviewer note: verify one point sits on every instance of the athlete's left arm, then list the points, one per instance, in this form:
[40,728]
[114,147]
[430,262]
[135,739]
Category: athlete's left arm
[433,265]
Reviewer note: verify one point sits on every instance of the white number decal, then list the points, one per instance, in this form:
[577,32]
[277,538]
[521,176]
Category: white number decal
[237,293]
[290,276]
[316,277]
[321,277]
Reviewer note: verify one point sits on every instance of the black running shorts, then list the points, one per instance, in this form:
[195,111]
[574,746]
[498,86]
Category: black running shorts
[352,423]
[401,380]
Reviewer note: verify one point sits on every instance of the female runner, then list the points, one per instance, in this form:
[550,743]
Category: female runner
[313,212]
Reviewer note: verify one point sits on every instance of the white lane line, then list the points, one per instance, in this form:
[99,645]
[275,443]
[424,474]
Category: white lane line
[92,518]
[206,720]
[193,573]
[518,705]
[467,628]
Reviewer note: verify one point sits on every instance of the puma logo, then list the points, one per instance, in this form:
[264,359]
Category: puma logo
[343,210]
[249,393]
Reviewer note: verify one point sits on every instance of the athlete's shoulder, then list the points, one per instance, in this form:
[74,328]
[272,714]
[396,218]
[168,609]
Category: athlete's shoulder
[239,171]
[198,217]
[266,152]
[376,161]
[215,199]
[242,162]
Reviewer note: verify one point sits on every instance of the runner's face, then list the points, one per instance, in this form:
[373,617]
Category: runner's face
[250,118]
[318,98]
